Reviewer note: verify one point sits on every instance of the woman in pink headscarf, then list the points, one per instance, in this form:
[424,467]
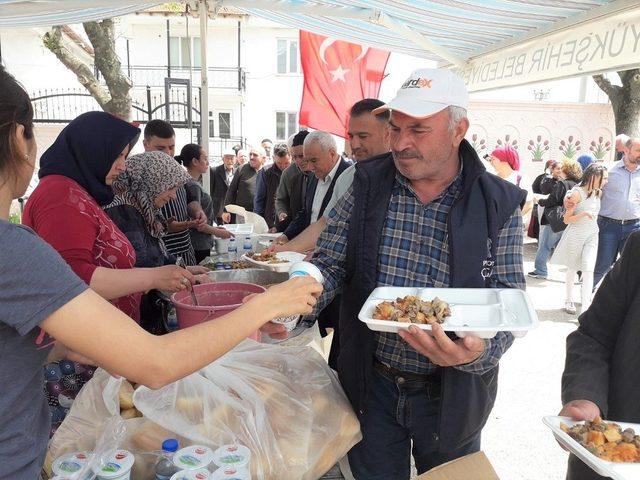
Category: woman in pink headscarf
[506,162]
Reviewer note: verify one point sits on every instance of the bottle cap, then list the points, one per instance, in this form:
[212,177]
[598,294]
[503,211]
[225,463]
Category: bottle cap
[170,445]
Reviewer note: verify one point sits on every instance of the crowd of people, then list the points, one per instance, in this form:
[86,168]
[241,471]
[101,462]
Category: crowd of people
[72,282]
[585,213]
[414,205]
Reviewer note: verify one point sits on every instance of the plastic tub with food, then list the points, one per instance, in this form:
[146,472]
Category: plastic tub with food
[214,300]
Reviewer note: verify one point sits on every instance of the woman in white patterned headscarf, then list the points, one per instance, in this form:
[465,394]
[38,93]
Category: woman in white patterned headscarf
[149,182]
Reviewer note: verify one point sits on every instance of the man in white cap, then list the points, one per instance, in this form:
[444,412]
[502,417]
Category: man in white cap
[220,179]
[426,215]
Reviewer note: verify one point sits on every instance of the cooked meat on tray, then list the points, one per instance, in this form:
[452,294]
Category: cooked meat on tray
[606,440]
[411,309]
[268,257]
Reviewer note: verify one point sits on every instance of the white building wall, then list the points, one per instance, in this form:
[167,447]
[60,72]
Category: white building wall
[553,122]
[253,112]
[267,91]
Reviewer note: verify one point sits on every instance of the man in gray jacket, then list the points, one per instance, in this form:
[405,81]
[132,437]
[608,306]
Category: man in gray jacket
[601,376]
[290,192]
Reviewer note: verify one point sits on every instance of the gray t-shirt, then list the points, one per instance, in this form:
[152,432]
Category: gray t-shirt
[34,282]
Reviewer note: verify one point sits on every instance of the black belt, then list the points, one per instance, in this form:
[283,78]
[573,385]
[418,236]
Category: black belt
[427,377]
[619,222]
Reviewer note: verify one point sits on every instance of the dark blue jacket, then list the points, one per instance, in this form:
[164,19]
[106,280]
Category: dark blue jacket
[303,218]
[486,203]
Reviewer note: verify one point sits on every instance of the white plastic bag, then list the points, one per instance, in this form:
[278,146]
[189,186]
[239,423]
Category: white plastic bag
[94,425]
[285,405]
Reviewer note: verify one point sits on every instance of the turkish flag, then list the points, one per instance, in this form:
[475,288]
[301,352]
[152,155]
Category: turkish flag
[337,74]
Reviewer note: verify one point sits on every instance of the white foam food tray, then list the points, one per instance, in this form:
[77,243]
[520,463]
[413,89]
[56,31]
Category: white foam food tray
[615,470]
[238,228]
[289,259]
[481,312]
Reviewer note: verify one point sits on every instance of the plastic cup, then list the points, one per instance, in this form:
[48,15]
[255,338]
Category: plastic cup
[200,474]
[289,322]
[231,473]
[194,457]
[299,269]
[68,466]
[116,467]
[235,456]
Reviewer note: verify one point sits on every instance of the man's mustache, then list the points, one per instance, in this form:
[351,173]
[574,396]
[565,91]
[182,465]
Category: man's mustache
[406,154]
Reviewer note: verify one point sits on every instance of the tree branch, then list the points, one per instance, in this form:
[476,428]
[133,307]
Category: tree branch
[605,85]
[53,41]
[102,38]
[628,77]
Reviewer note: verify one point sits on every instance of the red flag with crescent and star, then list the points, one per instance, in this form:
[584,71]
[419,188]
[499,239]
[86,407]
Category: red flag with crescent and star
[337,74]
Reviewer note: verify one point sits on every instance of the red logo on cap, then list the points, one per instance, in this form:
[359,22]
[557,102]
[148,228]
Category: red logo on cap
[120,455]
[418,83]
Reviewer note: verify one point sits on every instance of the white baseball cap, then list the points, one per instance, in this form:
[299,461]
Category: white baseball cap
[427,92]
[228,152]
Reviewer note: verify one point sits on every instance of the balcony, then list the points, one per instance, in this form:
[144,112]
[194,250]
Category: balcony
[231,78]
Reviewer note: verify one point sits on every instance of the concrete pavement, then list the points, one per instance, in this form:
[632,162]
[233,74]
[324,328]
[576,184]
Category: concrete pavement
[515,440]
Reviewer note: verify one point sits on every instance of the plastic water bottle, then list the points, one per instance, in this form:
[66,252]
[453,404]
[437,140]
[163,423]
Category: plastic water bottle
[233,249]
[247,246]
[165,467]
[172,319]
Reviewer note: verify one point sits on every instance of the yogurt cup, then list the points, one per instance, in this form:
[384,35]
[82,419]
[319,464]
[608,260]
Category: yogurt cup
[235,456]
[200,474]
[289,322]
[116,467]
[231,473]
[194,457]
[222,245]
[299,269]
[70,465]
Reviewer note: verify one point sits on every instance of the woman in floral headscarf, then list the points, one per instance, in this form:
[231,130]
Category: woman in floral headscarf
[148,183]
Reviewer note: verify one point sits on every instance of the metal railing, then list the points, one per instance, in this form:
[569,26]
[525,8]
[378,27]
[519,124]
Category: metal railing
[61,105]
[218,77]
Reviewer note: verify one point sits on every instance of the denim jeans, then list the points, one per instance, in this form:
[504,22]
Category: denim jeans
[611,240]
[547,241]
[398,412]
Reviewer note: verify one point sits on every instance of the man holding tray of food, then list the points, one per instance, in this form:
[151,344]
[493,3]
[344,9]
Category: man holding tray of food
[426,215]
[601,377]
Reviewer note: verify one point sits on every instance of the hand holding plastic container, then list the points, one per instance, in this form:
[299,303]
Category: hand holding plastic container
[299,269]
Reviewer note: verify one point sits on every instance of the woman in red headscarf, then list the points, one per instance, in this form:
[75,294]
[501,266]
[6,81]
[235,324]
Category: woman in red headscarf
[506,162]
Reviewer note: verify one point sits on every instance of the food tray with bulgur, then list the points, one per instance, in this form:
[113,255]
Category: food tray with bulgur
[481,312]
[597,445]
[276,262]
